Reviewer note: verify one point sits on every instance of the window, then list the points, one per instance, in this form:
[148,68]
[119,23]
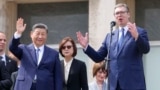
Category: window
[147,16]
[63,19]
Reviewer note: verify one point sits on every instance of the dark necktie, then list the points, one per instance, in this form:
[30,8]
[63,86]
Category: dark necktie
[121,39]
[2,60]
[37,57]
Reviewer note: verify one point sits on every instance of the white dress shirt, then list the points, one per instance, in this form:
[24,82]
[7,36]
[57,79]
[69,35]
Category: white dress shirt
[4,59]
[120,31]
[67,66]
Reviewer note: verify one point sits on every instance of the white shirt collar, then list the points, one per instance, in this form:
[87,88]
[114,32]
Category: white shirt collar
[40,53]
[41,47]
[125,29]
[68,63]
[3,57]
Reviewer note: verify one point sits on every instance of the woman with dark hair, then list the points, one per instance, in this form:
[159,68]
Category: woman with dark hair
[74,71]
[100,75]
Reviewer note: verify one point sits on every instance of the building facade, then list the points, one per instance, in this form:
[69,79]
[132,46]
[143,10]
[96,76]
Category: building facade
[66,17]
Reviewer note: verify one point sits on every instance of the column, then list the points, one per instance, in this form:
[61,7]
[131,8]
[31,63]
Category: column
[100,16]
[8,18]
[2,15]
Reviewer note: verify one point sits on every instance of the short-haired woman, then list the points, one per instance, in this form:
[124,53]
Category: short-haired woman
[74,70]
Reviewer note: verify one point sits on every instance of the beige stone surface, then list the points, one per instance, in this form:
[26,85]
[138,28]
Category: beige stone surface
[100,16]
[2,15]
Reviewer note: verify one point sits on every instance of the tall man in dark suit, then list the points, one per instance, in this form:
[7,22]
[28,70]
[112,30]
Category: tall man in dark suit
[129,43]
[40,67]
[10,64]
[5,79]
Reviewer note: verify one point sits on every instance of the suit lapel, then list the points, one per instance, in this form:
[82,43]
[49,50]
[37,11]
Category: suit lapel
[33,53]
[62,66]
[126,38]
[7,60]
[115,39]
[71,71]
[114,44]
[45,55]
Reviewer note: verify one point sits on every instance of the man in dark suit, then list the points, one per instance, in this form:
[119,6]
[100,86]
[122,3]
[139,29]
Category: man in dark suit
[40,67]
[129,43]
[10,64]
[5,80]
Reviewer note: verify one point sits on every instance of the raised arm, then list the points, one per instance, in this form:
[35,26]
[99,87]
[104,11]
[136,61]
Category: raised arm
[14,43]
[20,26]
[83,40]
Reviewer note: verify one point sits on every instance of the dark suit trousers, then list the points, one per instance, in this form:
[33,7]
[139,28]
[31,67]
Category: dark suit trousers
[118,87]
[33,87]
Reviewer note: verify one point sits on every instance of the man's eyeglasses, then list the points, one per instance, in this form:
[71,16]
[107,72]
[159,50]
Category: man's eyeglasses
[68,47]
[120,12]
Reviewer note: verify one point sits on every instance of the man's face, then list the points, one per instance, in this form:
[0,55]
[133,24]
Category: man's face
[2,42]
[122,16]
[39,36]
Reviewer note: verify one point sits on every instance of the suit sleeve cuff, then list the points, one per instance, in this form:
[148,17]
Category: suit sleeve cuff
[16,35]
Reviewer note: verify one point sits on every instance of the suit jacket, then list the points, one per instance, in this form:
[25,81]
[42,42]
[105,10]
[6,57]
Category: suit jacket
[11,65]
[125,65]
[49,74]
[5,81]
[77,78]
